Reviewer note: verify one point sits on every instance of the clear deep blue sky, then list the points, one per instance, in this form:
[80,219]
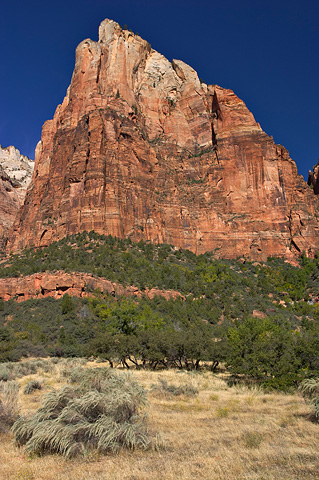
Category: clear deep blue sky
[264,50]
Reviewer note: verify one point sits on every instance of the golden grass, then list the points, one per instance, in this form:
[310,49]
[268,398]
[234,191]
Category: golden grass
[222,433]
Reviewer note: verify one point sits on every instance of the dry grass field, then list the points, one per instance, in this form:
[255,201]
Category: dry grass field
[221,432]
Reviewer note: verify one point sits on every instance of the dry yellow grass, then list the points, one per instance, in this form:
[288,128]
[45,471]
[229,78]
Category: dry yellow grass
[222,433]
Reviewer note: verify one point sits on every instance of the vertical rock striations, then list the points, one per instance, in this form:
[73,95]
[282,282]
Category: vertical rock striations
[141,148]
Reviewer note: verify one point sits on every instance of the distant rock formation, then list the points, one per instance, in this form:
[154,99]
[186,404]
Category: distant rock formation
[141,148]
[15,176]
[313,178]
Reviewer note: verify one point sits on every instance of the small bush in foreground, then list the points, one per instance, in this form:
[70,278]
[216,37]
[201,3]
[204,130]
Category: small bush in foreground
[100,413]
[8,404]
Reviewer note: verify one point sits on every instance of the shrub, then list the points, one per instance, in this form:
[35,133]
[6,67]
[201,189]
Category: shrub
[8,404]
[252,439]
[101,413]
[222,412]
[67,304]
[12,370]
[4,373]
[165,388]
[69,368]
[310,391]
[31,386]
[265,351]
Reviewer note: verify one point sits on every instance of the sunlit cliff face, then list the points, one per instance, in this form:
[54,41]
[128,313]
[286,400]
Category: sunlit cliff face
[141,148]
[15,176]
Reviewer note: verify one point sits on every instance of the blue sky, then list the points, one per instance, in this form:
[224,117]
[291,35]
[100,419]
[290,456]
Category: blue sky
[266,51]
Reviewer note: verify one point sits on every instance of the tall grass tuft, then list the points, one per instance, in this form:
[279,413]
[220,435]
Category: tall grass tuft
[9,391]
[99,412]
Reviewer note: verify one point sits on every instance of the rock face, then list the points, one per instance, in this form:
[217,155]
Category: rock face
[41,285]
[15,176]
[313,178]
[141,148]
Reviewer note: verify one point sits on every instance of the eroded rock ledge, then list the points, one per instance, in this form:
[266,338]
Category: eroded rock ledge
[76,284]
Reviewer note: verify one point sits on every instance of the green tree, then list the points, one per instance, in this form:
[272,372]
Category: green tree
[265,351]
[67,304]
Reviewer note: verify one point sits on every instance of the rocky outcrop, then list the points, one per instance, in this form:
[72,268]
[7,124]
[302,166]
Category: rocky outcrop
[77,284]
[313,178]
[141,148]
[15,176]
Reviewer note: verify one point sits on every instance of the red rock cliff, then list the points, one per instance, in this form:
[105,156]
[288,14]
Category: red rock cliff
[140,148]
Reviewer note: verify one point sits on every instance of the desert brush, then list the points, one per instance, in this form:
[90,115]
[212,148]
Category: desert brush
[100,412]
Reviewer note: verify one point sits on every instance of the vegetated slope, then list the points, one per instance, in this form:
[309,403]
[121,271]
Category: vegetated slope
[262,319]
[164,266]
[141,148]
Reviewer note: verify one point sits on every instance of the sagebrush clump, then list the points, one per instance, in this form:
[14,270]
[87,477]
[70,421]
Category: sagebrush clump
[9,391]
[101,412]
[4,373]
[31,386]
[310,391]
[165,388]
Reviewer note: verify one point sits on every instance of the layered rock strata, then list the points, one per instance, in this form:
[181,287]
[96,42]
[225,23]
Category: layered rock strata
[15,176]
[41,285]
[141,148]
